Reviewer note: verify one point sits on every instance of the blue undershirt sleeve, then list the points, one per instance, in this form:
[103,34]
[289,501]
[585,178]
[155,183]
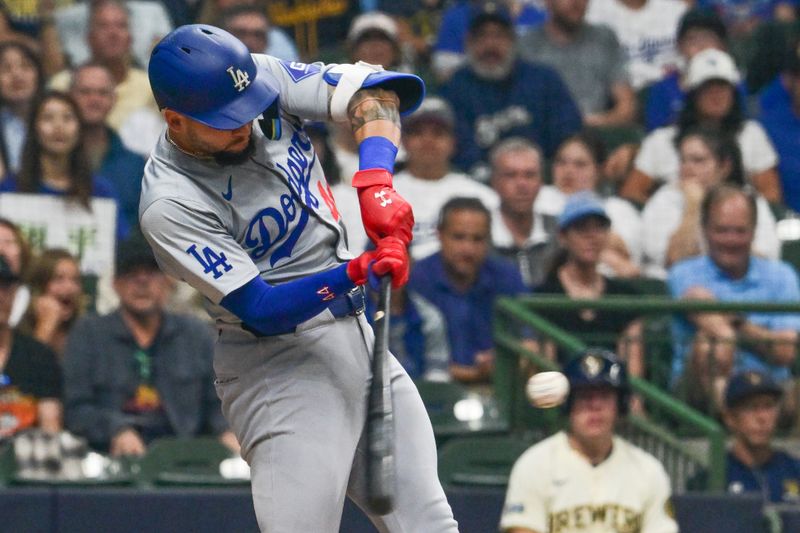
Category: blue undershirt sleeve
[376,152]
[274,309]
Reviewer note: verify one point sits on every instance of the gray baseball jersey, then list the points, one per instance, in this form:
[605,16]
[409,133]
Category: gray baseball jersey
[218,227]
[297,401]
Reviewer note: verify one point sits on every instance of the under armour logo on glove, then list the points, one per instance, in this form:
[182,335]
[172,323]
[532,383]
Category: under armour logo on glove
[382,195]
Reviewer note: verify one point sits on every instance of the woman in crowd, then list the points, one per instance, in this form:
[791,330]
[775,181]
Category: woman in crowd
[56,298]
[21,81]
[713,103]
[54,160]
[14,248]
[671,218]
[577,166]
[30,377]
[584,230]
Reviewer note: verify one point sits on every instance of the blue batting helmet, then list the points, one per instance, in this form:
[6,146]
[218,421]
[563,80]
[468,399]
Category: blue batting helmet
[597,367]
[209,75]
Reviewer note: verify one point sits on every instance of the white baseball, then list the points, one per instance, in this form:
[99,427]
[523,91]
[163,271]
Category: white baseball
[547,389]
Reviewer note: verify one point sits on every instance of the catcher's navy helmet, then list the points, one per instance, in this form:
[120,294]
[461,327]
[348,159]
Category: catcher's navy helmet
[209,75]
[597,367]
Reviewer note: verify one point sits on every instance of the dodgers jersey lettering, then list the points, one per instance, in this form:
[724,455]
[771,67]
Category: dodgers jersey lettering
[217,227]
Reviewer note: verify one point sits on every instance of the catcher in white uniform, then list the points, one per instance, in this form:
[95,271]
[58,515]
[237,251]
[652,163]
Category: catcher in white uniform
[235,203]
[587,480]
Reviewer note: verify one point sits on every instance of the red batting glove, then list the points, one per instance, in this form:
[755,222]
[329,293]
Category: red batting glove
[384,213]
[391,257]
[358,268]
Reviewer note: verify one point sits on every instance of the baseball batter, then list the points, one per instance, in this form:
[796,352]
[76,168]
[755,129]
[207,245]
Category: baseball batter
[235,203]
[586,480]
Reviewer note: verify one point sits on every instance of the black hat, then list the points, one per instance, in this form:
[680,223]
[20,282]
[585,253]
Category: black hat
[749,383]
[489,11]
[702,18]
[134,253]
[597,367]
[6,274]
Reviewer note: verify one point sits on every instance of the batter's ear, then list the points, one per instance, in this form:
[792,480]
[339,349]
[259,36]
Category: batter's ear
[174,120]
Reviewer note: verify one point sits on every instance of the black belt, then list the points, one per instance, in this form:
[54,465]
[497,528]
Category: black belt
[347,304]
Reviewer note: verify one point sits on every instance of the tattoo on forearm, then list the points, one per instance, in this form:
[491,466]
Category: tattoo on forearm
[369,105]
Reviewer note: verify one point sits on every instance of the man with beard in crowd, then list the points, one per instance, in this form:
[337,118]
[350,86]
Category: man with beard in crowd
[496,95]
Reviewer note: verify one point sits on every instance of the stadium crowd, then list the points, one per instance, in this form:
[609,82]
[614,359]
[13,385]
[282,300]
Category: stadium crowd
[572,147]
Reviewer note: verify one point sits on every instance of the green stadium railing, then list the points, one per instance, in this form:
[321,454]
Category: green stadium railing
[681,463]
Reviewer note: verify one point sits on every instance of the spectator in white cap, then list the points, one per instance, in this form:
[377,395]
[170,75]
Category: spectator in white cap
[428,179]
[373,38]
[713,102]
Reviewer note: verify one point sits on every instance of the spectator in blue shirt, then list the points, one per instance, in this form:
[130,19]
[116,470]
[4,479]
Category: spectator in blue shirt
[496,95]
[779,104]
[752,408]
[709,347]
[463,281]
[92,88]
[417,335]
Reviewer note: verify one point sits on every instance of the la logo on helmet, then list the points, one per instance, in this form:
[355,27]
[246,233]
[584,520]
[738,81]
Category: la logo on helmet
[241,79]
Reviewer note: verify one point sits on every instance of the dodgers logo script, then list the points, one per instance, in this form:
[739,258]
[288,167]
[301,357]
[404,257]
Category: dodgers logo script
[241,79]
[272,225]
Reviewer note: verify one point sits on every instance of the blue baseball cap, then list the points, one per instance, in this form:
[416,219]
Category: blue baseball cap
[488,11]
[581,205]
[749,383]
[207,74]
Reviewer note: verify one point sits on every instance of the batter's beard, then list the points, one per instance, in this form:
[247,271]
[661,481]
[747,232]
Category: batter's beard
[225,158]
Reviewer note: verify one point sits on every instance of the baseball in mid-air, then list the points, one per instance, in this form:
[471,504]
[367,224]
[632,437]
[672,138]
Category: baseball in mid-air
[547,389]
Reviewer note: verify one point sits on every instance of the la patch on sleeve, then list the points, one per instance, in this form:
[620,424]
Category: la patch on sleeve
[299,71]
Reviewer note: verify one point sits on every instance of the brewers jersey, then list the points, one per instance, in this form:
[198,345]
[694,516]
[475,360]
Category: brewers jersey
[554,489]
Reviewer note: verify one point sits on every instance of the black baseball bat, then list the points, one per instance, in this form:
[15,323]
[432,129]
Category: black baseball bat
[380,417]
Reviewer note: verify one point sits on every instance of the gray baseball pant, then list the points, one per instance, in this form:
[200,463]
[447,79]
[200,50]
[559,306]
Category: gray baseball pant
[297,403]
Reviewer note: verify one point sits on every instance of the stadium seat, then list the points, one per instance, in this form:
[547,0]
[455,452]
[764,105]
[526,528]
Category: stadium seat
[186,461]
[454,410]
[35,458]
[7,464]
[481,460]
